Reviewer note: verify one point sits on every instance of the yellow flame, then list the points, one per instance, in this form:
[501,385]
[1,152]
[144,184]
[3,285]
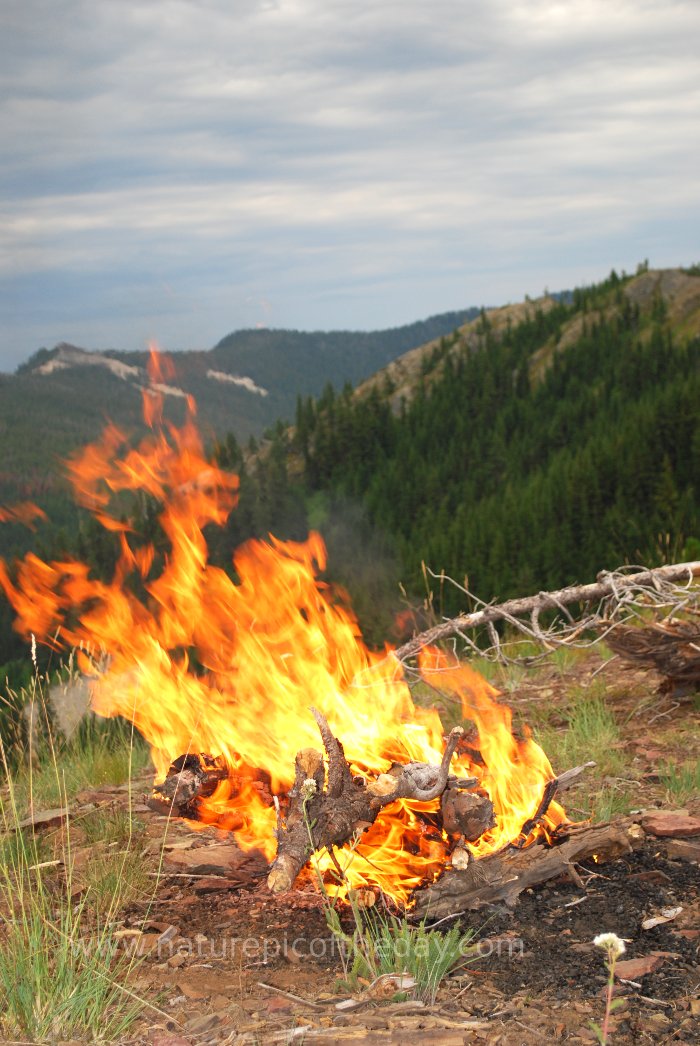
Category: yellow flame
[201,662]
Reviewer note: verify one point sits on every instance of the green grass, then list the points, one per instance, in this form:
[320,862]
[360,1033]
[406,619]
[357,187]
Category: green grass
[681,781]
[56,981]
[62,973]
[15,846]
[48,770]
[113,825]
[100,752]
[591,732]
[610,802]
[78,769]
[114,880]
[382,945]
[565,657]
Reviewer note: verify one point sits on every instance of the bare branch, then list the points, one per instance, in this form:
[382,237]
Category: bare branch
[620,595]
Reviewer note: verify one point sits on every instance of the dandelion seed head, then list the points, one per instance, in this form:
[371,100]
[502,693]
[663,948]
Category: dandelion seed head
[612,944]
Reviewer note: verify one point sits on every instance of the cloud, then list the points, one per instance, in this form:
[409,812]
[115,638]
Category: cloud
[356,163]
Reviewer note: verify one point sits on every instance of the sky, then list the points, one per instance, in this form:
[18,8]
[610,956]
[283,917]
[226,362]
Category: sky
[176,170]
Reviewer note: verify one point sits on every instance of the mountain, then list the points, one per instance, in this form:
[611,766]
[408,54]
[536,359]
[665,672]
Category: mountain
[530,447]
[61,398]
[539,444]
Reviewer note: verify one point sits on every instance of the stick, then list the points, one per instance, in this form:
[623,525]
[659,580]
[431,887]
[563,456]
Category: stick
[609,584]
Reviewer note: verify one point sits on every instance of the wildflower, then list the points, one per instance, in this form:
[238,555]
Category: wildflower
[308,789]
[612,944]
[615,947]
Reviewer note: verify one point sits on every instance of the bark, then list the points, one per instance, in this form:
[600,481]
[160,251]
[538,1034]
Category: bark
[513,608]
[504,875]
[672,648]
[319,817]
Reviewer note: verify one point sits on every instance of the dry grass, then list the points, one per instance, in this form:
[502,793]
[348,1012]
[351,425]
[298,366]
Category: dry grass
[62,974]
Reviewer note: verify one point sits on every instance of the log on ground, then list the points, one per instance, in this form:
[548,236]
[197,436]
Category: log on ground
[502,876]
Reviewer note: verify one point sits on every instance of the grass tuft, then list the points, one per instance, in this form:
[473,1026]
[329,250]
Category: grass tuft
[682,782]
[610,802]
[382,945]
[56,982]
[62,974]
[591,732]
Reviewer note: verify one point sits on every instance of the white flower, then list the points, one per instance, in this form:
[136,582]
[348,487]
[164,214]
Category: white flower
[308,789]
[612,944]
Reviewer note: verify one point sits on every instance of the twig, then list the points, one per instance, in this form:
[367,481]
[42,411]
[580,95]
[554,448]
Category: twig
[290,995]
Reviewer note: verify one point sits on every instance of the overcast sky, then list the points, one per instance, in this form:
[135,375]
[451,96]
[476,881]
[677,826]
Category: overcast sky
[177,170]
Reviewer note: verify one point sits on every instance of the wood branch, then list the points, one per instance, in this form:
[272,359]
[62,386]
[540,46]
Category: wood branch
[466,814]
[557,784]
[319,818]
[504,875]
[566,779]
[607,585]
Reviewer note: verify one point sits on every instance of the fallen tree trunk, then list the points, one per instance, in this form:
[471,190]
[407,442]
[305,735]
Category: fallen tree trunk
[504,875]
[607,585]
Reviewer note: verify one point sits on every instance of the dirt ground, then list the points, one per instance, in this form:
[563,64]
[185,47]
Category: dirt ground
[225,962]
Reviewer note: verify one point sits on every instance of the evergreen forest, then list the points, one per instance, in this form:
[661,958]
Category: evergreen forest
[522,455]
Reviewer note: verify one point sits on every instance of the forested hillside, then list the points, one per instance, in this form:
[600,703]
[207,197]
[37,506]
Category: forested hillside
[61,398]
[538,446]
[535,446]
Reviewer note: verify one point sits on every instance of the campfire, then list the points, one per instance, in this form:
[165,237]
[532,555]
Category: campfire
[267,715]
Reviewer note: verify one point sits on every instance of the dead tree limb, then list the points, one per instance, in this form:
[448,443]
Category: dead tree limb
[504,875]
[617,586]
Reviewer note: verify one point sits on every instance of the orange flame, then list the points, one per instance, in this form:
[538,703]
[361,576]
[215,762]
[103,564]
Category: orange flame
[200,662]
[25,512]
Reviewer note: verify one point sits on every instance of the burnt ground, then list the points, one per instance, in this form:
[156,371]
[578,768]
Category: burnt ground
[224,962]
[538,975]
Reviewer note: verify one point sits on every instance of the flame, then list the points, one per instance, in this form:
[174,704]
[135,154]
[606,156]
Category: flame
[25,512]
[202,661]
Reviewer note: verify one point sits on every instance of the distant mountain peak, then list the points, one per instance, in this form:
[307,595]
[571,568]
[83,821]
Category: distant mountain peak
[64,356]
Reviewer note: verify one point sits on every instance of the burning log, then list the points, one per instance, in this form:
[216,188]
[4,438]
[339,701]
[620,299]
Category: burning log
[189,778]
[318,817]
[504,875]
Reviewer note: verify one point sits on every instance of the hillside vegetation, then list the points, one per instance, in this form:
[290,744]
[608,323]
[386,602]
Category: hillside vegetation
[60,399]
[533,447]
[538,445]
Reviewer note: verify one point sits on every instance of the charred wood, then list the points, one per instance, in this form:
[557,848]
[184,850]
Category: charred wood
[502,876]
[189,778]
[319,817]
[466,814]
